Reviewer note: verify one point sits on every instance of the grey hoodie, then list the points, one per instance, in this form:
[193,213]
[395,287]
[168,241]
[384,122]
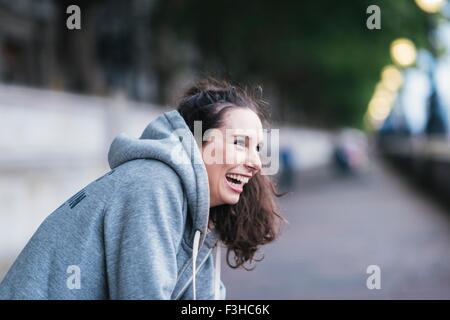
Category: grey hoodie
[138,232]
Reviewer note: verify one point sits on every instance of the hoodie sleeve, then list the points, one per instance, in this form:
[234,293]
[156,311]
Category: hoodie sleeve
[144,224]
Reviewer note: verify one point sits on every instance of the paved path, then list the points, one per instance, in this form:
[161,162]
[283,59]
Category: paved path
[340,226]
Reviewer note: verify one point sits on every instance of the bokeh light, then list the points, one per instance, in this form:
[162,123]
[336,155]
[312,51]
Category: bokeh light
[403,52]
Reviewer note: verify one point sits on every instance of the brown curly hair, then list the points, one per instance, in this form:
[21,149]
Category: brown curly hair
[255,219]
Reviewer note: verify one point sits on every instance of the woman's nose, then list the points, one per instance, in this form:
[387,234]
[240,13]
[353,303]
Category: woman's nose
[253,162]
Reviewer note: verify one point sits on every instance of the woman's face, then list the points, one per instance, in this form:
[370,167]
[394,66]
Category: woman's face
[231,155]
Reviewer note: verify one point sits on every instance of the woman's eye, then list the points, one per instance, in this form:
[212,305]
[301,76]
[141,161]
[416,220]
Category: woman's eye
[239,141]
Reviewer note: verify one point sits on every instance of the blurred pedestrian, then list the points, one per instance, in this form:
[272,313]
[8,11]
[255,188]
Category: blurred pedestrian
[287,175]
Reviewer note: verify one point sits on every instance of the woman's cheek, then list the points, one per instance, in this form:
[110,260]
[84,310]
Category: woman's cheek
[240,156]
[234,155]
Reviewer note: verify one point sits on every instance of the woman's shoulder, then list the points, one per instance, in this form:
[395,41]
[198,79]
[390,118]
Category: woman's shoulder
[149,189]
[147,173]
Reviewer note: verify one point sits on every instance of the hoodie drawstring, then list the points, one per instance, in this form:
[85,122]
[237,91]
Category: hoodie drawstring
[194,259]
[195,249]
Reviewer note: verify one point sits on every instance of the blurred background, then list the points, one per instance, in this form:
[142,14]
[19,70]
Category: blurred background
[363,116]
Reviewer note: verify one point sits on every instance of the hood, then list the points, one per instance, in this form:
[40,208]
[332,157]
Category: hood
[168,139]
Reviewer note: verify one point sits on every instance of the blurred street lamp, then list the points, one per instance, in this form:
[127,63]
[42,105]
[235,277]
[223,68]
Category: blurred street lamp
[379,108]
[383,98]
[391,78]
[430,6]
[403,52]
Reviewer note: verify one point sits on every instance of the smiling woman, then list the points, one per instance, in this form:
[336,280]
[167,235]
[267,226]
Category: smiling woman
[238,159]
[243,208]
[148,228]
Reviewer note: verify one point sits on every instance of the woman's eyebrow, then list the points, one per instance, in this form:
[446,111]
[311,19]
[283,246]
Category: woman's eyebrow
[241,135]
[261,143]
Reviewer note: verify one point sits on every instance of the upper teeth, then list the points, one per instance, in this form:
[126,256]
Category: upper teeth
[242,179]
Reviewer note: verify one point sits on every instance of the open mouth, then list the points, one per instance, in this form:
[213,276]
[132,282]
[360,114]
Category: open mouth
[236,182]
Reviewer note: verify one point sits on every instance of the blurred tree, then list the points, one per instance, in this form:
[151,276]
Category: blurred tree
[76,56]
[318,55]
[317,58]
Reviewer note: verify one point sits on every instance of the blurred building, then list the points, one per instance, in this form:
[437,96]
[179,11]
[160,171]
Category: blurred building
[118,48]
[27,42]
[51,145]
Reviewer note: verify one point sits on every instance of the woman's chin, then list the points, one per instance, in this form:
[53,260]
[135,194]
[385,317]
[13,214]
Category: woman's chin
[232,199]
[228,195]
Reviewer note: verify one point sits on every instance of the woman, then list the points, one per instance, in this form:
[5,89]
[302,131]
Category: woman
[147,229]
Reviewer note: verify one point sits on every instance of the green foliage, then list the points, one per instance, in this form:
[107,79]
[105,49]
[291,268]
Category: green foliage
[319,55]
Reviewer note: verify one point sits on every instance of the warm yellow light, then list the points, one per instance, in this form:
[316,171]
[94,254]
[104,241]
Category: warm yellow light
[385,93]
[381,103]
[382,92]
[430,6]
[379,108]
[386,96]
[391,78]
[403,52]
